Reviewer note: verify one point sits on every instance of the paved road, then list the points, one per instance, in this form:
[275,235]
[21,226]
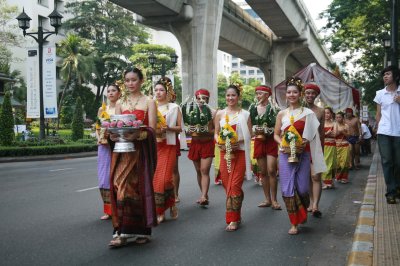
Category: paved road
[50,216]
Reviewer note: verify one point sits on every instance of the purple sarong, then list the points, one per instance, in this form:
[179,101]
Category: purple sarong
[103,165]
[294,175]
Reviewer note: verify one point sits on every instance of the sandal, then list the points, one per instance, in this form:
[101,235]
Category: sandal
[276,206]
[118,242]
[142,240]
[105,217]
[316,213]
[264,204]
[203,201]
[232,227]
[293,231]
[173,212]
[160,218]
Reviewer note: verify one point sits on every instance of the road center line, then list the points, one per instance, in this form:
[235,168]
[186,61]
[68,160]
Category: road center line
[86,189]
[61,169]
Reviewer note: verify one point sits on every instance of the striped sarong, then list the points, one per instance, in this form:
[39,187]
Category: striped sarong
[163,182]
[232,183]
[103,175]
[295,183]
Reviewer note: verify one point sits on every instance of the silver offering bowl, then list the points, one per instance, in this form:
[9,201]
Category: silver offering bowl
[123,145]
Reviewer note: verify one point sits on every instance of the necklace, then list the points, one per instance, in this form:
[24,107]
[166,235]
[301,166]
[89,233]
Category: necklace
[132,107]
[292,116]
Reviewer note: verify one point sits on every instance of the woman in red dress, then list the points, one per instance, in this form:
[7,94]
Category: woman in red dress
[235,161]
[166,150]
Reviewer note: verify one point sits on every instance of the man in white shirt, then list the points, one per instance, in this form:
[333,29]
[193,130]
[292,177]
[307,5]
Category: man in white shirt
[388,121]
[365,139]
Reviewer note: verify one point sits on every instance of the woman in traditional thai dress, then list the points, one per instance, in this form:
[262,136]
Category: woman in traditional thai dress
[342,150]
[298,126]
[330,156]
[104,149]
[265,147]
[166,150]
[132,196]
[232,134]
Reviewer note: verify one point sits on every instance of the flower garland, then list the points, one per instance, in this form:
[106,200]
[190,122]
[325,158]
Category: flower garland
[266,121]
[161,122]
[196,117]
[104,116]
[292,138]
[227,136]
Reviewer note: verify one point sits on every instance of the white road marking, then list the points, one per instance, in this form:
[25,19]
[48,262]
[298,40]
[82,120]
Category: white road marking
[61,169]
[86,189]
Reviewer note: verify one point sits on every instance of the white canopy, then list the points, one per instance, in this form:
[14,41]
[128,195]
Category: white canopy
[335,92]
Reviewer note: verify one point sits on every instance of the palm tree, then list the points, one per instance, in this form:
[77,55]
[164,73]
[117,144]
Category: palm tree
[76,68]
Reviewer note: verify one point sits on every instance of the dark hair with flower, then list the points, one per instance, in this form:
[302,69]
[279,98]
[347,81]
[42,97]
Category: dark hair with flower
[134,70]
[238,87]
[295,81]
[330,110]
[167,84]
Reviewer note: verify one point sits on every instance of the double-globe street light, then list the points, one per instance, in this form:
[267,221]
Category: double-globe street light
[24,24]
[153,61]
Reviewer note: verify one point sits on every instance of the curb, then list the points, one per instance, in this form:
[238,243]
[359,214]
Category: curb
[363,241]
[48,157]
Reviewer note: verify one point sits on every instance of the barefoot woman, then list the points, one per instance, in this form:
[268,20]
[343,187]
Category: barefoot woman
[132,197]
[104,150]
[234,169]
[166,150]
[295,176]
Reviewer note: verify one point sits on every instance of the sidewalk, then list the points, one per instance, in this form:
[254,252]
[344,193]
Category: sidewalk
[48,157]
[377,236]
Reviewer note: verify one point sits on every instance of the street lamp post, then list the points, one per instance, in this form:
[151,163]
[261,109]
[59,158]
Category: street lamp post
[153,62]
[386,45]
[24,24]
[394,33]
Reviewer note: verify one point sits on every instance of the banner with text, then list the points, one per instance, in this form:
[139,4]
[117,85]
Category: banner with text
[32,84]
[49,83]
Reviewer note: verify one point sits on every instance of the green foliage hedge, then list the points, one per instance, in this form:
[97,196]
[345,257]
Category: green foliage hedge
[46,150]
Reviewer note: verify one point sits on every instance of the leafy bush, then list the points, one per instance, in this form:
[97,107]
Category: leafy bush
[6,122]
[46,150]
[77,121]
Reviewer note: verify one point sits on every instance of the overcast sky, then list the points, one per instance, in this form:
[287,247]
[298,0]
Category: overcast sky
[315,7]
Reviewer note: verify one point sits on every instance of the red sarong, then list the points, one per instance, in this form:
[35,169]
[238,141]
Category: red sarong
[232,183]
[163,181]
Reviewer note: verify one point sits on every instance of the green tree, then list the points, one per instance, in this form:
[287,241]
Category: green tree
[358,28]
[76,63]
[178,88]
[140,58]
[6,122]
[77,121]
[8,36]
[222,84]
[67,111]
[112,31]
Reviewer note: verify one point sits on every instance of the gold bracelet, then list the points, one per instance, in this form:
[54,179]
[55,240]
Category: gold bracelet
[143,135]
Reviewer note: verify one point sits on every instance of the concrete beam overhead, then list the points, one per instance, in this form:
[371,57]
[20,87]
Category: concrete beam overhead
[151,8]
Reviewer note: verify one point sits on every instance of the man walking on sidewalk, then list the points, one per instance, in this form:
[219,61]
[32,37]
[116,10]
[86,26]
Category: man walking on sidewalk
[388,121]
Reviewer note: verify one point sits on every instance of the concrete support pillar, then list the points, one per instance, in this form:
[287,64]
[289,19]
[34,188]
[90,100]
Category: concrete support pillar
[199,43]
[281,49]
[280,52]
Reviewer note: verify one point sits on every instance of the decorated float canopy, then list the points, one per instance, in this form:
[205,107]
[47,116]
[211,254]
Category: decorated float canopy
[335,92]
